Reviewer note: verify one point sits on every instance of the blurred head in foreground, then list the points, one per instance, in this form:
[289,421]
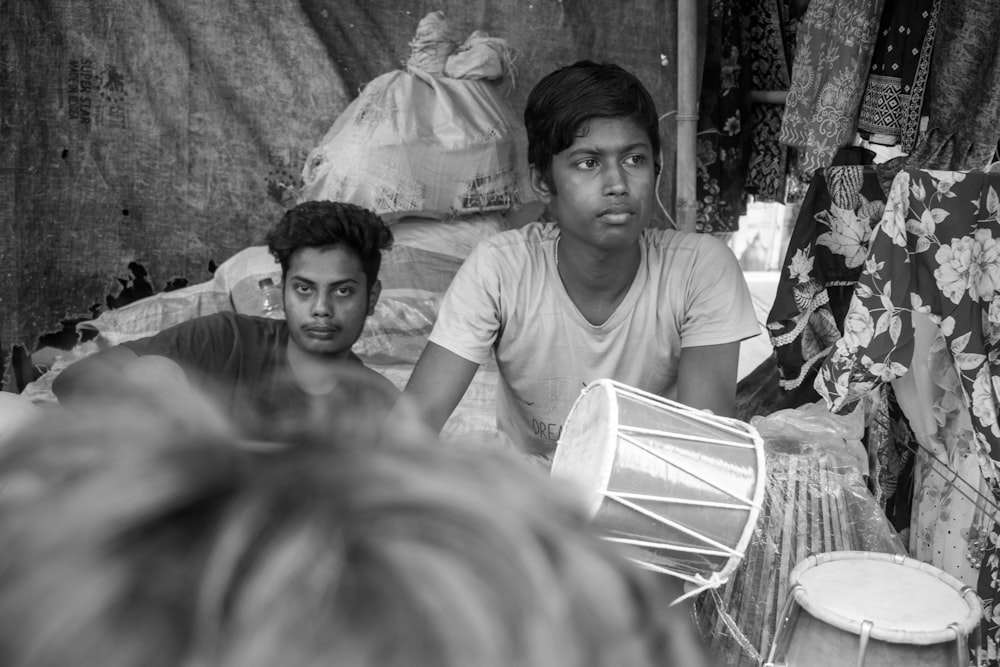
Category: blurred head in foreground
[145,533]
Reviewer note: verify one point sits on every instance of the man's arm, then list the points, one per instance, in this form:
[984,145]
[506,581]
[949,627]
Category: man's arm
[706,377]
[76,378]
[99,372]
[438,382]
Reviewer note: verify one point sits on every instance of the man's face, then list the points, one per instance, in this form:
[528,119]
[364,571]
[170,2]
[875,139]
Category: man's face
[603,184]
[327,299]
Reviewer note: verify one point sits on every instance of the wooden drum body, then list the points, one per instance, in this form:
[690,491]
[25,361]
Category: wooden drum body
[679,489]
[860,608]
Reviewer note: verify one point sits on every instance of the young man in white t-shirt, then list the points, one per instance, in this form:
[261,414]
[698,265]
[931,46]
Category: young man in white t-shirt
[595,294]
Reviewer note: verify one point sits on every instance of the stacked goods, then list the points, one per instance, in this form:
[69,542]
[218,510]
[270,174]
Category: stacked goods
[435,140]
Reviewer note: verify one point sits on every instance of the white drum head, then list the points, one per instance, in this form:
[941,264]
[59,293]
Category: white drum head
[906,600]
[592,428]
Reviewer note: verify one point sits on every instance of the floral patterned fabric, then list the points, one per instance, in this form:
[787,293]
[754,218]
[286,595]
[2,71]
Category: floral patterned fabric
[963,91]
[950,492]
[724,107]
[769,38]
[833,51]
[936,252]
[824,259]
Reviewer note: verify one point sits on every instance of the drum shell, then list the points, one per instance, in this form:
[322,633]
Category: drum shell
[823,624]
[686,503]
[677,488]
[814,643]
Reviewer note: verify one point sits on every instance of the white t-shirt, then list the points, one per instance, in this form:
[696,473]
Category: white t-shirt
[508,297]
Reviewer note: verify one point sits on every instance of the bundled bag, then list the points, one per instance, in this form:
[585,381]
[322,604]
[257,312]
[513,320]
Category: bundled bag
[437,140]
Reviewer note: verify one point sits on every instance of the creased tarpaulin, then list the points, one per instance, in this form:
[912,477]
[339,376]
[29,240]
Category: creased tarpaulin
[168,132]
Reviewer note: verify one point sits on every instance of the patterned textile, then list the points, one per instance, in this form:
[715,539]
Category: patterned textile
[724,107]
[950,492]
[833,51]
[823,261]
[963,93]
[890,443]
[894,94]
[822,265]
[768,36]
[936,251]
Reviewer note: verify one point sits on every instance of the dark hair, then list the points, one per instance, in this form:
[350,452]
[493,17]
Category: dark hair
[145,531]
[567,98]
[327,224]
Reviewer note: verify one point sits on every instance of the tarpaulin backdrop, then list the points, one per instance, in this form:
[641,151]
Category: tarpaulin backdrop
[171,132]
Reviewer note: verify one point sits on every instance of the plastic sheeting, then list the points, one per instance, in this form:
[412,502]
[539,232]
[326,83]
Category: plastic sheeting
[170,133]
[815,501]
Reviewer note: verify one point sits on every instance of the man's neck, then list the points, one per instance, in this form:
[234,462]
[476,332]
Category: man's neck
[314,374]
[597,280]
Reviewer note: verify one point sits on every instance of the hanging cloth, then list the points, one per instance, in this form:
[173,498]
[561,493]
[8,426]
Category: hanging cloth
[769,39]
[824,259]
[833,52]
[935,255]
[894,93]
[963,93]
[724,109]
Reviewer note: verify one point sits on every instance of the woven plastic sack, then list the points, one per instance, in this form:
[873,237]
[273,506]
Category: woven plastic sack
[155,313]
[418,142]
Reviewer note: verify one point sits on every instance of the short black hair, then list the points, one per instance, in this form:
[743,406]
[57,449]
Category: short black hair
[327,224]
[567,98]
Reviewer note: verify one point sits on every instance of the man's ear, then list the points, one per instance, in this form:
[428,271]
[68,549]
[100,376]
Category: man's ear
[540,185]
[373,295]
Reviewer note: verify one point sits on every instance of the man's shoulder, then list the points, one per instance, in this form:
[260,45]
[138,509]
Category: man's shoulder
[510,253]
[682,251]
[526,237]
[674,239]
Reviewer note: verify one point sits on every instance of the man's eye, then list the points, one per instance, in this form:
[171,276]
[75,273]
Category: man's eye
[635,159]
[344,291]
[588,164]
[302,289]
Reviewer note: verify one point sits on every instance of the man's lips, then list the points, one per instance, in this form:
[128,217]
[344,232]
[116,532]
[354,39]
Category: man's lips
[616,212]
[320,331]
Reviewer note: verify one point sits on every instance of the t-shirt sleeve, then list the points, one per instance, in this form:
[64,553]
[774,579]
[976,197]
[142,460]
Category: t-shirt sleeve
[719,308]
[469,318]
[203,344]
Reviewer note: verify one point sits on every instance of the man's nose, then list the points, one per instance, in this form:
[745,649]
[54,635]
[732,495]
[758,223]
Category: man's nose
[322,306]
[614,180]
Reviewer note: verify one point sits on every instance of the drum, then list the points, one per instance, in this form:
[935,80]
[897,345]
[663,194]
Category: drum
[679,489]
[876,610]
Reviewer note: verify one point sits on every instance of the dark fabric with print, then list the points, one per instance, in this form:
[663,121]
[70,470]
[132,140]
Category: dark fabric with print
[897,79]
[890,443]
[723,114]
[769,39]
[843,204]
[824,259]
[963,92]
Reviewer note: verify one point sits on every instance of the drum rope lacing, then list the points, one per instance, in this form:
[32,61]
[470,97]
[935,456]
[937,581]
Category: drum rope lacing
[702,583]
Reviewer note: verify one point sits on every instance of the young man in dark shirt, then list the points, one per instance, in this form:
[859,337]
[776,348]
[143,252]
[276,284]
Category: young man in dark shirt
[330,254]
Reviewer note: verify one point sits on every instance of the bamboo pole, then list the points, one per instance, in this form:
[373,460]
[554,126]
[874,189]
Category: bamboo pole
[687,113]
